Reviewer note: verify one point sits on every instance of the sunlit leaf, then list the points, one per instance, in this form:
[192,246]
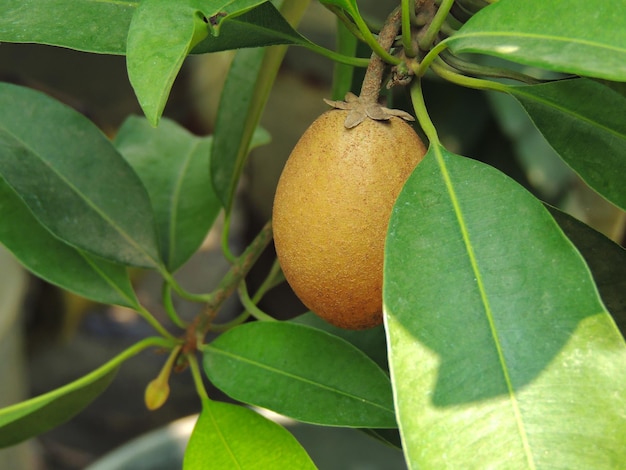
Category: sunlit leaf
[231,436]
[606,260]
[502,355]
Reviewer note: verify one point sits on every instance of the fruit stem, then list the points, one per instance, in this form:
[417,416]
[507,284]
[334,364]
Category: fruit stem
[197,377]
[448,73]
[428,38]
[250,305]
[374,73]
[417,97]
[230,282]
[485,70]
[408,15]
[166,299]
[152,321]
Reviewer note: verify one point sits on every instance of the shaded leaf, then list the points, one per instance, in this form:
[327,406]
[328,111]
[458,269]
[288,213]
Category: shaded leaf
[583,37]
[49,258]
[343,74]
[262,26]
[584,122]
[92,26]
[372,341]
[300,372]
[606,260]
[350,6]
[248,84]
[174,167]
[73,180]
[219,11]
[501,352]
[236,123]
[40,414]
[231,436]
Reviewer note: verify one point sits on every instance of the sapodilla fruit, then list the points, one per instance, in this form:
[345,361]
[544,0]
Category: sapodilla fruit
[331,211]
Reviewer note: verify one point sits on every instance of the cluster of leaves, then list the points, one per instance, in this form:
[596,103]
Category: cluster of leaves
[501,349]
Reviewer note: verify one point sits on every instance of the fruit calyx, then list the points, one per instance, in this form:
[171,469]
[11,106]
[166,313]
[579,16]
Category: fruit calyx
[359,110]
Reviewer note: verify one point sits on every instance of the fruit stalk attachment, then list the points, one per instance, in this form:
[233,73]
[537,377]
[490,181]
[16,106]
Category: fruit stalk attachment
[366,105]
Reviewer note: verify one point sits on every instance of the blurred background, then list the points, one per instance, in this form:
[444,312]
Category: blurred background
[51,337]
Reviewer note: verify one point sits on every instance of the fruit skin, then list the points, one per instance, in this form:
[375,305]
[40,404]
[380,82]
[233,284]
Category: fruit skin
[331,210]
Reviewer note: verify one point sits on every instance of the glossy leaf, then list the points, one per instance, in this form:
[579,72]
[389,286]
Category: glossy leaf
[262,26]
[236,123]
[231,436]
[73,180]
[218,11]
[72,23]
[582,37]
[154,64]
[49,258]
[174,167]
[584,122]
[502,355]
[372,341]
[343,73]
[93,26]
[161,35]
[247,88]
[350,6]
[300,372]
[40,414]
[606,260]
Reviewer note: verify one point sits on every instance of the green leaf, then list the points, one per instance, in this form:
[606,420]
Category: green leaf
[49,258]
[250,79]
[350,6]
[92,26]
[583,37]
[174,166]
[161,35]
[231,436]
[343,73]
[236,128]
[72,23]
[584,122]
[260,27]
[73,180]
[218,11]
[154,62]
[606,260]
[372,341]
[300,372]
[40,414]
[502,355]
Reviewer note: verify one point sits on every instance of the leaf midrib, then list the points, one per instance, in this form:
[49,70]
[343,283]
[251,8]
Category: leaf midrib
[137,246]
[488,311]
[518,91]
[297,377]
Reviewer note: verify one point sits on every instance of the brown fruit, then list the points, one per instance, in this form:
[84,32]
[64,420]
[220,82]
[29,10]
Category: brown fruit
[331,210]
